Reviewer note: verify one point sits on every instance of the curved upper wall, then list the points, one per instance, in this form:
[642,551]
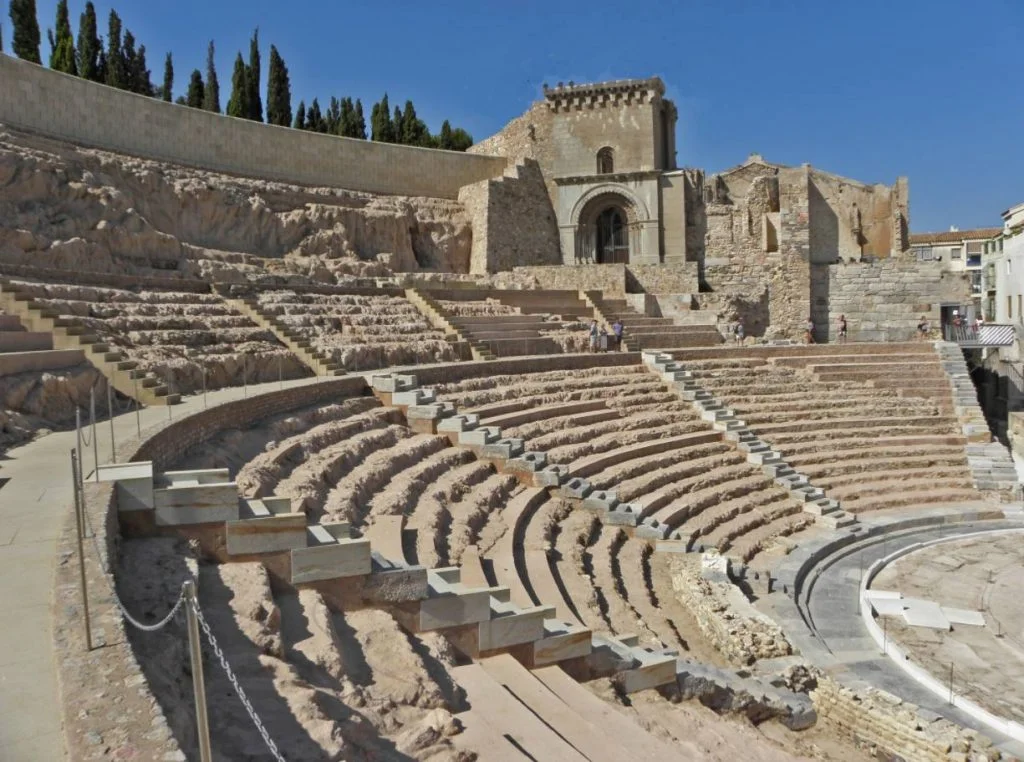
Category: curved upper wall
[50,103]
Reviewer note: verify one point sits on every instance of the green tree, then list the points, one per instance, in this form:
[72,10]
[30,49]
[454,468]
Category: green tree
[461,140]
[444,138]
[211,96]
[238,103]
[347,118]
[196,91]
[414,130]
[89,46]
[26,30]
[300,116]
[397,126]
[253,78]
[333,117]
[115,76]
[140,76]
[128,64]
[380,122]
[168,90]
[360,123]
[181,100]
[279,91]
[62,46]
[314,118]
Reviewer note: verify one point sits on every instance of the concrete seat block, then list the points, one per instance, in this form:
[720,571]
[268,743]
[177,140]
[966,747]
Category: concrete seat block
[753,445]
[431,412]
[561,641]
[652,672]
[529,462]
[624,514]
[345,558]
[836,520]
[575,488]
[651,529]
[133,485]
[551,476]
[393,382]
[821,507]
[266,535]
[513,628]
[767,458]
[455,424]
[480,436]
[171,479]
[200,504]
[453,608]
[600,500]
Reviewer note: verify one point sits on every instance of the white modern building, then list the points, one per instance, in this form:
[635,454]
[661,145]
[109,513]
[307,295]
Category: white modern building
[1004,270]
[959,251]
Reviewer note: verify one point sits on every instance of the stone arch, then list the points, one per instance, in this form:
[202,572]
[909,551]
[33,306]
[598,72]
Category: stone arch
[606,161]
[606,222]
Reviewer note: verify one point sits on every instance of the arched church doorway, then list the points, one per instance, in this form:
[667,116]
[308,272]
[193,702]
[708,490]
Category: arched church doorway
[612,237]
[606,230]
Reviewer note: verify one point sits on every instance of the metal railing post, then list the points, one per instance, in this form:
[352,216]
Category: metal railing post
[138,414]
[95,442]
[110,414]
[80,530]
[198,685]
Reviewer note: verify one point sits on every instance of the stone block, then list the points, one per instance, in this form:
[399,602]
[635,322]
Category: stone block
[561,641]
[551,476]
[196,504]
[575,489]
[601,501]
[502,449]
[624,514]
[651,529]
[479,437]
[269,534]
[653,670]
[510,626]
[390,583]
[344,558]
[393,382]
[455,606]
[133,484]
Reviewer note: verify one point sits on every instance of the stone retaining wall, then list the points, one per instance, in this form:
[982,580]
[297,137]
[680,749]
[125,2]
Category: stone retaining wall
[47,102]
[893,729]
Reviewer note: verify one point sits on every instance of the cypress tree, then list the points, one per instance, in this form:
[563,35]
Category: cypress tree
[211,96]
[253,78]
[359,122]
[26,30]
[414,130]
[461,140]
[168,78]
[300,116]
[279,91]
[128,62]
[143,85]
[444,138]
[89,46]
[348,116]
[334,117]
[62,47]
[115,58]
[314,119]
[397,126]
[238,104]
[380,122]
[195,90]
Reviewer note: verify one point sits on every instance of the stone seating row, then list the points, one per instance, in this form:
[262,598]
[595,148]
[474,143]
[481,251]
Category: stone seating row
[811,499]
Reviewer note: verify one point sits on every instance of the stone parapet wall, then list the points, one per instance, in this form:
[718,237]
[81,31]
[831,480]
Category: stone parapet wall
[43,101]
[892,729]
[885,299]
[106,280]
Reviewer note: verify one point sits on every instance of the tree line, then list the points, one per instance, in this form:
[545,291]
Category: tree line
[119,61]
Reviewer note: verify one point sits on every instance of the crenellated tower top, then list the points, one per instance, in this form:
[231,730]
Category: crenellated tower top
[619,92]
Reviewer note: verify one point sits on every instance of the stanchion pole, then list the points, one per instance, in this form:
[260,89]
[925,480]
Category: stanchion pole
[80,527]
[280,372]
[138,414]
[198,686]
[245,376]
[95,442]
[951,682]
[204,388]
[78,429]
[110,414]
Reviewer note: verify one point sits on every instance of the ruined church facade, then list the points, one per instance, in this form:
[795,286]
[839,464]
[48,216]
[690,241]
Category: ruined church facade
[762,232]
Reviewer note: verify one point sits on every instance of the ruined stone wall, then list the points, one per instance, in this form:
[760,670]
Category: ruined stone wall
[891,729]
[884,300]
[789,296]
[851,219]
[43,101]
[513,221]
[611,279]
[526,137]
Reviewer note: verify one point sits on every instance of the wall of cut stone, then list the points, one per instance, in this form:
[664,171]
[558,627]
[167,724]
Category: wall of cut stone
[850,219]
[513,221]
[611,279]
[525,137]
[884,300]
[40,100]
[890,729]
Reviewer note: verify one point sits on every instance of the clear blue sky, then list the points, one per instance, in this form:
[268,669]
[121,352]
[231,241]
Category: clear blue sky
[931,89]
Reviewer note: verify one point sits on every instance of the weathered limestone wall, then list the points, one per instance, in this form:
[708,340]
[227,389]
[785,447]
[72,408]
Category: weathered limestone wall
[789,296]
[673,218]
[890,729]
[513,221]
[884,300]
[40,100]
[611,279]
[850,219]
[525,137]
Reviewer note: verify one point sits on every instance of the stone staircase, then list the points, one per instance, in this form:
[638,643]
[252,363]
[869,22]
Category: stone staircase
[991,464]
[316,361]
[643,332]
[437,317]
[69,333]
[813,500]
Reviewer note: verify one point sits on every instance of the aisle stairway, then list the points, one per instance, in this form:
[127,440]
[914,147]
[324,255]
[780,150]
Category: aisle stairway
[644,333]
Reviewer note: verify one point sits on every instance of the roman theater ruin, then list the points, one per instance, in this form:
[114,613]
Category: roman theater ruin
[345,392]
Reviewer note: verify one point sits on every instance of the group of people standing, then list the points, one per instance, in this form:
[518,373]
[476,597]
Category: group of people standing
[601,340]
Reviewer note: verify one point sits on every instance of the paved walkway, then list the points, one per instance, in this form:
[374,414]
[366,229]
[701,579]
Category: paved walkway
[835,612]
[33,506]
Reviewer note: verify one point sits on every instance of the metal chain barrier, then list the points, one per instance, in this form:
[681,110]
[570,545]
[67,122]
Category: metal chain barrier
[234,683]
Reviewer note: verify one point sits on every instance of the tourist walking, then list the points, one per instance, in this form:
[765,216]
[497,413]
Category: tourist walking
[809,332]
[594,334]
[739,332]
[617,329]
[842,329]
[923,328]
